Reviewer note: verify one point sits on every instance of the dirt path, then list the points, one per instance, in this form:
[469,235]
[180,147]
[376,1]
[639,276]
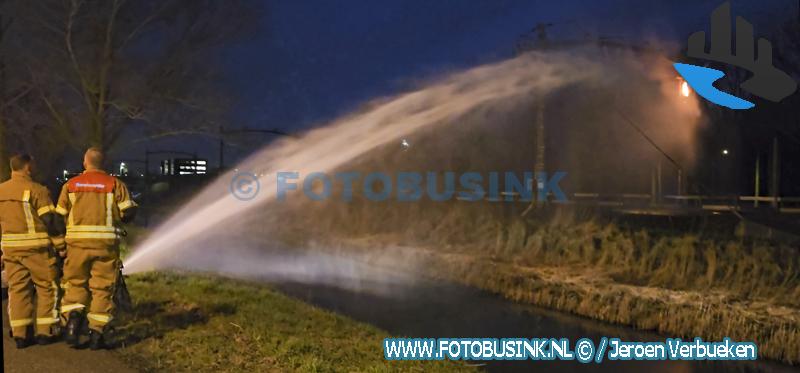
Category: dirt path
[56,357]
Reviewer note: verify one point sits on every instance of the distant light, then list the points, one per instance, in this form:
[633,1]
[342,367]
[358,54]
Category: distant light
[724,151]
[404,144]
[685,90]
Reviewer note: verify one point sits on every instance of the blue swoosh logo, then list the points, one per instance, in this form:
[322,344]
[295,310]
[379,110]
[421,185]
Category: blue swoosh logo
[702,79]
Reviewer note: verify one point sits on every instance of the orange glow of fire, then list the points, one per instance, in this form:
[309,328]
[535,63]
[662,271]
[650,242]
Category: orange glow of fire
[685,89]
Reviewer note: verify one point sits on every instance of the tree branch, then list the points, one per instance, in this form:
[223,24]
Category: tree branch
[142,25]
[63,125]
[74,7]
[22,94]
[105,67]
[173,133]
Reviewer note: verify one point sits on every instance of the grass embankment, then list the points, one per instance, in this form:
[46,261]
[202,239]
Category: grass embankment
[197,323]
[684,282]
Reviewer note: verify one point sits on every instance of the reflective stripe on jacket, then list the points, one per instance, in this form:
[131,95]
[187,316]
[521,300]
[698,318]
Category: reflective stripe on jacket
[22,204]
[93,204]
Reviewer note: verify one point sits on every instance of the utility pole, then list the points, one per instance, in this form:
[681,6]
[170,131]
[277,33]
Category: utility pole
[659,188]
[775,177]
[757,179]
[539,165]
[537,39]
[653,191]
[541,148]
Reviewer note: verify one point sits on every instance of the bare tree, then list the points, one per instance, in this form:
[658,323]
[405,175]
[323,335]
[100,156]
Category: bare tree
[96,70]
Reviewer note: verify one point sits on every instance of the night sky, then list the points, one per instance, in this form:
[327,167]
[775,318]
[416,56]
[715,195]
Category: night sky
[310,61]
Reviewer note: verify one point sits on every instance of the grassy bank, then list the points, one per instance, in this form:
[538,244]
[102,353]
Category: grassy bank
[712,315]
[703,255]
[209,324]
[695,279]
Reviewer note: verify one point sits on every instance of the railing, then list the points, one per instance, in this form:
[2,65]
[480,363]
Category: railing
[785,205]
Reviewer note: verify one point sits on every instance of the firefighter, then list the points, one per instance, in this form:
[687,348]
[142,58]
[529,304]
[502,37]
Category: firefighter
[30,233]
[94,204]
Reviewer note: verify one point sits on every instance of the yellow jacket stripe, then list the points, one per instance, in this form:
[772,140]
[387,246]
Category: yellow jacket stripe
[109,205]
[45,210]
[55,288]
[91,232]
[71,307]
[46,320]
[61,211]
[23,236]
[90,228]
[72,199]
[102,318]
[126,205]
[102,236]
[25,240]
[20,322]
[26,243]
[26,205]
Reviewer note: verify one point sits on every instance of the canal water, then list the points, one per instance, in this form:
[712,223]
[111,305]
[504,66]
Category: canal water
[372,290]
[426,309]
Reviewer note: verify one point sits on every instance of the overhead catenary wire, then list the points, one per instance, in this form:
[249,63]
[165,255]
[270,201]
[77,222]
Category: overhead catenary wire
[652,142]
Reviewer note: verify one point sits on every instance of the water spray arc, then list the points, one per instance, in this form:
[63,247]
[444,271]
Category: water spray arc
[332,146]
[214,230]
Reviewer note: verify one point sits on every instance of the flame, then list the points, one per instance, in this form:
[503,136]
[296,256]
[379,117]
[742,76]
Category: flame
[685,89]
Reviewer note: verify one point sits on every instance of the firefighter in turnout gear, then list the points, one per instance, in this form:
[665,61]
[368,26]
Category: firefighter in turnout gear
[30,233]
[94,204]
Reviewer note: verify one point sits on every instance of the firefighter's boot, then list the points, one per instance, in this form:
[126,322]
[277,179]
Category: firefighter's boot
[72,332]
[45,339]
[96,340]
[22,342]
